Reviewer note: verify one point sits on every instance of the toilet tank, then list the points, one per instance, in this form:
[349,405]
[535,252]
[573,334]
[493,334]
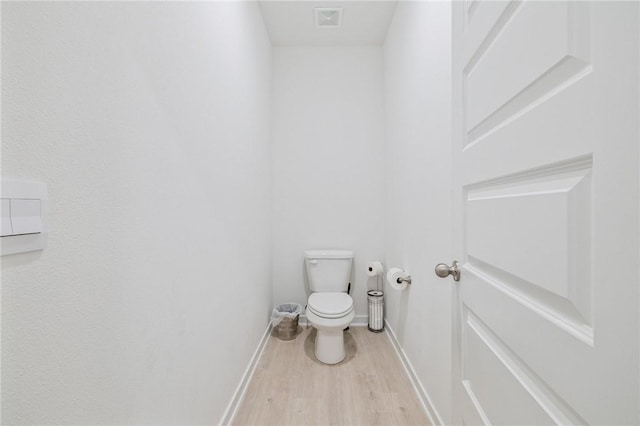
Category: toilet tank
[328,270]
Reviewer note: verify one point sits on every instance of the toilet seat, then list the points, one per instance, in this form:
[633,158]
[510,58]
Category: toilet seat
[330,304]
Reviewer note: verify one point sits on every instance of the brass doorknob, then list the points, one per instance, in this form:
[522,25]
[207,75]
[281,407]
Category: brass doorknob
[443,270]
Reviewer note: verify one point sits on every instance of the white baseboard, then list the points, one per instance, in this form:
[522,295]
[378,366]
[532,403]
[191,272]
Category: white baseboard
[358,321]
[427,404]
[238,395]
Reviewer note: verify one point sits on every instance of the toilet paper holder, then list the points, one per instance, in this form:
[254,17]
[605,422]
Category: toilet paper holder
[401,280]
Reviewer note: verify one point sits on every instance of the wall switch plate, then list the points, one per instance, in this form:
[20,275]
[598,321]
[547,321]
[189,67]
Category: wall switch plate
[24,213]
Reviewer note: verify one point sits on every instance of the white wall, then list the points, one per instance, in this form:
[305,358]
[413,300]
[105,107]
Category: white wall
[150,299]
[328,162]
[417,69]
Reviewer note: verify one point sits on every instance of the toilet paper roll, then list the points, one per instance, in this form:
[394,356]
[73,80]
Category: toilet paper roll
[374,268]
[392,276]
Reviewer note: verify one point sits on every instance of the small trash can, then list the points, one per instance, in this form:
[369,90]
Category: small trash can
[376,310]
[285,320]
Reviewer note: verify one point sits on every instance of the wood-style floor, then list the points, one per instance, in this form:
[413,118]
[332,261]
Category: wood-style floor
[370,387]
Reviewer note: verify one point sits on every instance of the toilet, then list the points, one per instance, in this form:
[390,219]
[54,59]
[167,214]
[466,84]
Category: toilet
[329,308]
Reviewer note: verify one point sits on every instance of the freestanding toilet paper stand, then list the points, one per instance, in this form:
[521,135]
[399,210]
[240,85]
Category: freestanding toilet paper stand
[376,310]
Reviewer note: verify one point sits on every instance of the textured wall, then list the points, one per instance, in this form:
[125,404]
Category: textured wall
[150,124]
[328,162]
[417,70]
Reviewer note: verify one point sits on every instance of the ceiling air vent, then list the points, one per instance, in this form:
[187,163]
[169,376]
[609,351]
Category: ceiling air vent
[328,17]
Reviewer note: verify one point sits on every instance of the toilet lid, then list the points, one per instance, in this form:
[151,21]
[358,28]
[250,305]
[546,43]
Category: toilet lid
[330,305]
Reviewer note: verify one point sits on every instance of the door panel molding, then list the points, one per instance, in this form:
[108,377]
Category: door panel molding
[558,311]
[516,376]
[548,270]
[554,60]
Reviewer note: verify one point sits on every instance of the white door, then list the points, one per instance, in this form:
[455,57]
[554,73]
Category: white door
[546,212]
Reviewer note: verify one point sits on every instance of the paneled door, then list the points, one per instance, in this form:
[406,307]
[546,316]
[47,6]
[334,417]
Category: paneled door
[546,211]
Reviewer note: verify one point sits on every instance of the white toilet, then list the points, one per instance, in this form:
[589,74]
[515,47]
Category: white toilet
[329,308]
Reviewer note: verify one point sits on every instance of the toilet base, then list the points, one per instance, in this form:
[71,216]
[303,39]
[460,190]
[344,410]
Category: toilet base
[330,336]
[330,346]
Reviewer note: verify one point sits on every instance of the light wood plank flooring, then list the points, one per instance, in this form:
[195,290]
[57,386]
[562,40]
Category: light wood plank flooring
[370,387]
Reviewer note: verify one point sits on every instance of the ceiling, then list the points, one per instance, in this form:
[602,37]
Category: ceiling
[291,23]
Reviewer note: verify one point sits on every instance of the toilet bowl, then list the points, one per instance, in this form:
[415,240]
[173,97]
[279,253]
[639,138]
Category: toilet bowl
[330,313]
[329,308]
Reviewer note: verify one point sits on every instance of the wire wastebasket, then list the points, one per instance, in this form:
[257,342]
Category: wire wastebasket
[376,310]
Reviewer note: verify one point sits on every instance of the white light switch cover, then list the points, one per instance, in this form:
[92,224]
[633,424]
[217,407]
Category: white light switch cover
[24,216]
[7,229]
